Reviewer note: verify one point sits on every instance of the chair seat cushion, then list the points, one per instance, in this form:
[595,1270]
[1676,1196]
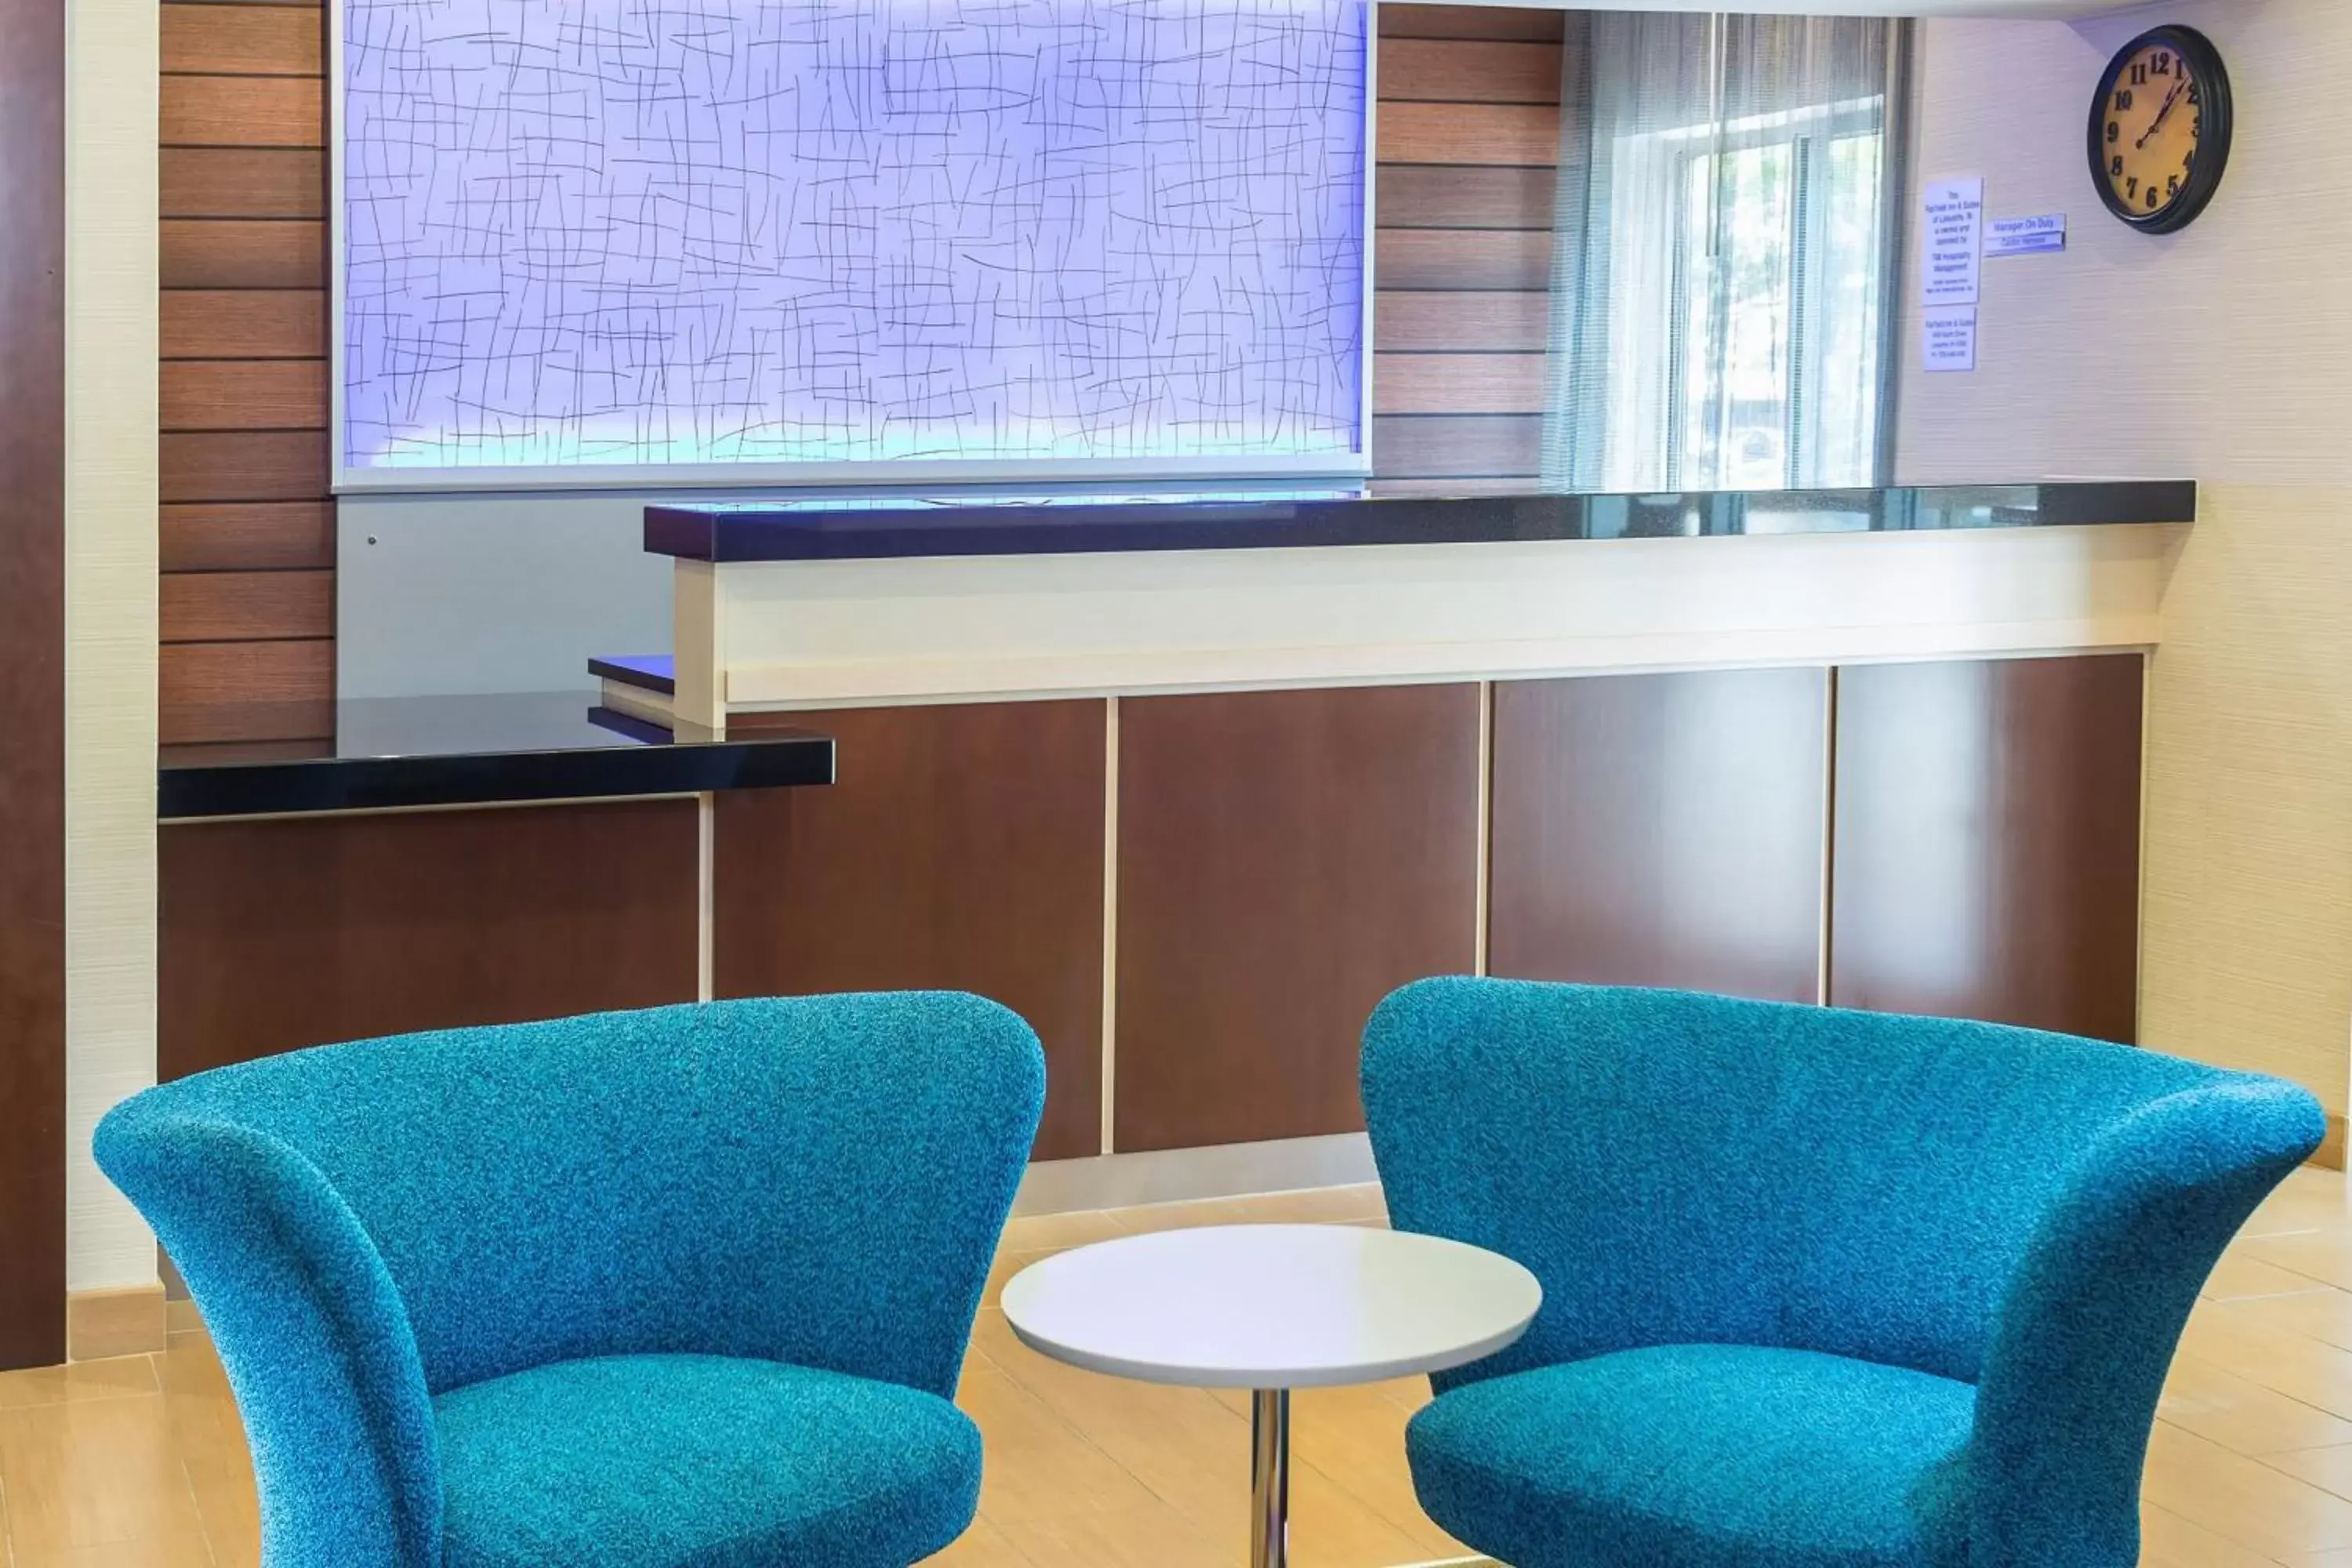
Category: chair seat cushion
[695,1461]
[1701,1455]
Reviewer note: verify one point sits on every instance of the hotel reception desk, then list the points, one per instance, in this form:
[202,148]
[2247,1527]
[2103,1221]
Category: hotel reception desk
[1192,785]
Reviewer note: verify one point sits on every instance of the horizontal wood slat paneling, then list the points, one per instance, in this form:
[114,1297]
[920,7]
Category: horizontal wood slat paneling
[243,111]
[1398,21]
[1469,136]
[248,535]
[244,182]
[245,324]
[1458,384]
[244,41]
[1462,258]
[204,253]
[245,394]
[268,465]
[259,606]
[1472,133]
[1470,444]
[248,692]
[248,594]
[1466,71]
[1440,195]
[1514,322]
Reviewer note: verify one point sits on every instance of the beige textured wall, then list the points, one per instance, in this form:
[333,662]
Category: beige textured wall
[111,610]
[2222,353]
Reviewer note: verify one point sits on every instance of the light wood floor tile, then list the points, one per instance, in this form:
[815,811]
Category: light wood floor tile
[2324,1254]
[2240,1499]
[2329,1469]
[2243,1417]
[1146,1535]
[1325,1205]
[141,1462]
[92,1473]
[1036,1464]
[112,1379]
[981,1546]
[205,1422]
[2323,1315]
[1184,1217]
[1052,1232]
[2234,1338]
[2169,1540]
[2239,1277]
[2308,1200]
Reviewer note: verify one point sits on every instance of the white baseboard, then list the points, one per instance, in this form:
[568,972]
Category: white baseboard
[1175,1175]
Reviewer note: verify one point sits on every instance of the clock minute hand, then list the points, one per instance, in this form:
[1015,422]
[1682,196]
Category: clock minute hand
[2162,114]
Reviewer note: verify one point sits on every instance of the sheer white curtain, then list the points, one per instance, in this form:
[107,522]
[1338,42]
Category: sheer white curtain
[1721,273]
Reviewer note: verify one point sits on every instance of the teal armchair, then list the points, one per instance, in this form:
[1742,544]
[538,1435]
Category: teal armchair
[689,1286]
[1822,1289]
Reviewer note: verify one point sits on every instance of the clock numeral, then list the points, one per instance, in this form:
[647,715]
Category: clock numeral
[2164,65]
[2140,76]
[2171,186]
[2133,189]
[2190,161]
[2153,200]
[2116,168]
[2122,99]
[2192,95]
[2115,133]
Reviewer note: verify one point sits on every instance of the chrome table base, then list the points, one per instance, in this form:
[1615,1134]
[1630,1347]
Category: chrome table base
[1270,1477]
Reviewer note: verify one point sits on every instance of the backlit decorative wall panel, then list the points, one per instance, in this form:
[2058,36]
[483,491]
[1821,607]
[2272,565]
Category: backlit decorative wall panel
[646,234]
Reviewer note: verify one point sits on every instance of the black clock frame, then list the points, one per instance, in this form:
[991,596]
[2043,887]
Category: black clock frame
[2204,64]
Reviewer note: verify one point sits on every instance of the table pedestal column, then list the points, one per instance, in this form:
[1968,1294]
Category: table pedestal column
[1270,1477]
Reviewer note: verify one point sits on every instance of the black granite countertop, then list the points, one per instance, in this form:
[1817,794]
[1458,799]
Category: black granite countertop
[1074,522]
[392,751]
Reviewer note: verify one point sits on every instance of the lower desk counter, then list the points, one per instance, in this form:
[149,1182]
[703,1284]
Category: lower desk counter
[1196,898]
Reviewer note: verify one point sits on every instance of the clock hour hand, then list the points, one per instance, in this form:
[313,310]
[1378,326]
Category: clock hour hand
[2162,114]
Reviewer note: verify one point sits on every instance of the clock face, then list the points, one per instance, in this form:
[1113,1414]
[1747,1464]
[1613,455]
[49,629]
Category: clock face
[2160,130]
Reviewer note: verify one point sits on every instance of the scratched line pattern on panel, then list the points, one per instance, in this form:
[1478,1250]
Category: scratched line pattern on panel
[656,232]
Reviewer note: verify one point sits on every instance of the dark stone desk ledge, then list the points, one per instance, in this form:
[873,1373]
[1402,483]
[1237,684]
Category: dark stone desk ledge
[395,753]
[883,528]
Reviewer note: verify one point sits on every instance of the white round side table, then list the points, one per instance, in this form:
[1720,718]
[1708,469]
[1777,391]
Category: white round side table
[1271,1307]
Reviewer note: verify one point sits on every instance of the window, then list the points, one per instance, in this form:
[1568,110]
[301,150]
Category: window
[1719,315]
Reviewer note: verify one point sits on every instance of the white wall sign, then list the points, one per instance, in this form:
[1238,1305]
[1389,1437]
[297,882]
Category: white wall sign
[2039,236]
[1951,242]
[1949,341]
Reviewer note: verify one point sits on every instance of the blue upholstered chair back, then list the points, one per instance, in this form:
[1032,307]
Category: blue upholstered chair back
[819,1181]
[1678,1168]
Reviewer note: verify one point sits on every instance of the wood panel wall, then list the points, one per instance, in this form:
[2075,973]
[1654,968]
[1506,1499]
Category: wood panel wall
[274,936]
[1986,851]
[1286,860]
[32,684]
[248,528]
[961,848]
[1661,830]
[1469,136]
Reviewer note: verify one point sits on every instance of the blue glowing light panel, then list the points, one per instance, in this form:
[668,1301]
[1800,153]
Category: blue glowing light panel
[655,236]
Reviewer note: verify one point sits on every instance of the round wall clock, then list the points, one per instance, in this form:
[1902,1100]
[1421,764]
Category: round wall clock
[2160,130]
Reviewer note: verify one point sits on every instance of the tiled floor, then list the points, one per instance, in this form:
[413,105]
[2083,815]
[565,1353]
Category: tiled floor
[139,1462]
